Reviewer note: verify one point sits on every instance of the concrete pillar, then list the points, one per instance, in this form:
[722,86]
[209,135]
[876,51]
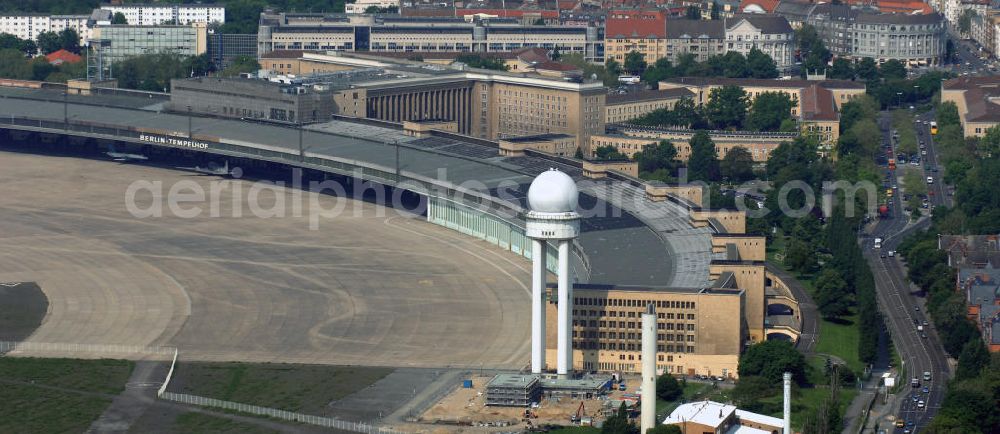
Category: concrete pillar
[787,410]
[538,273]
[647,418]
[564,346]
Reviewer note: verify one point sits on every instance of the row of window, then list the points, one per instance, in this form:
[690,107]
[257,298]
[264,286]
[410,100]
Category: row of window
[662,304]
[620,346]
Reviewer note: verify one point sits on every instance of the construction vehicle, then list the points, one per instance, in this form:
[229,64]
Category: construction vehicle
[580,413]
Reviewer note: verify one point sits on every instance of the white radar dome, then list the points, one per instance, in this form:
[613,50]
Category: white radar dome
[553,191]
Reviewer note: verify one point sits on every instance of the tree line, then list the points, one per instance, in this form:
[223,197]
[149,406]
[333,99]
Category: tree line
[728,108]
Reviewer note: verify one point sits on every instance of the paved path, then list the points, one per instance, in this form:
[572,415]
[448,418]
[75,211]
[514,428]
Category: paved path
[807,308]
[139,395]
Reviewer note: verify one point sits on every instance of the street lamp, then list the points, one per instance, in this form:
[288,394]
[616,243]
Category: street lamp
[899,99]
[916,92]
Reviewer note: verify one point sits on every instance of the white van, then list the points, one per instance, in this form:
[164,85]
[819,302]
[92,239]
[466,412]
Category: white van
[930,179]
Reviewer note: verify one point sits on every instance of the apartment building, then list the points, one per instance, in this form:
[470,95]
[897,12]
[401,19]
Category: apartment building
[768,33]
[643,31]
[916,40]
[153,14]
[365,33]
[841,90]
[704,38]
[29,26]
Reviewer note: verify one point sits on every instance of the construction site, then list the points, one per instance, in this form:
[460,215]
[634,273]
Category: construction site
[473,405]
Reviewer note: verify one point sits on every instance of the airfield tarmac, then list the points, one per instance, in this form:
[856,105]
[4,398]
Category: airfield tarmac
[368,289]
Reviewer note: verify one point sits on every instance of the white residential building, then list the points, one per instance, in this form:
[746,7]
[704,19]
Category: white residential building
[359,6]
[769,33]
[28,26]
[152,14]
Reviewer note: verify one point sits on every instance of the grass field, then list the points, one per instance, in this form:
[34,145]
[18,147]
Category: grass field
[300,388]
[101,376]
[31,409]
[36,408]
[838,338]
[576,430]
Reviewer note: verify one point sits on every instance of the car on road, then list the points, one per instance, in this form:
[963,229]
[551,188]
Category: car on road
[923,152]
[915,397]
[927,376]
[883,256]
[920,404]
[926,390]
[925,323]
[916,308]
[923,335]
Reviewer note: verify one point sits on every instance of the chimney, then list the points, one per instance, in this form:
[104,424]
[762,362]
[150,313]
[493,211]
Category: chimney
[788,402]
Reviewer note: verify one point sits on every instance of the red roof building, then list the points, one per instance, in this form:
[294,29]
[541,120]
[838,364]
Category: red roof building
[758,6]
[62,56]
[642,24]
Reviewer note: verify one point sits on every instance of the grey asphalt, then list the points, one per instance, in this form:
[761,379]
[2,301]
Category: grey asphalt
[900,306]
[364,289]
[669,259]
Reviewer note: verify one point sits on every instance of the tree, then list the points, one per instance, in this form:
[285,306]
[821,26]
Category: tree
[635,63]
[241,65]
[613,67]
[619,423]
[866,69]
[971,362]
[658,156]
[119,18]
[841,69]
[667,388]
[703,164]
[769,109]
[49,42]
[727,107]
[750,390]
[771,359]
[664,429]
[478,61]
[737,165]
[199,65]
[800,256]
[893,69]
[693,13]
[832,294]
[761,65]
[9,41]
[965,21]
[608,152]
[69,40]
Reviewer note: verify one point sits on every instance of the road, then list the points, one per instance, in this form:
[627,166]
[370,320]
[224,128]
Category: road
[900,306]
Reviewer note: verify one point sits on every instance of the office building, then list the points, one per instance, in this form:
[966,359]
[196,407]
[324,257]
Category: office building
[915,40]
[626,106]
[224,47]
[271,98]
[699,330]
[978,102]
[366,33]
[124,41]
[154,14]
[841,90]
